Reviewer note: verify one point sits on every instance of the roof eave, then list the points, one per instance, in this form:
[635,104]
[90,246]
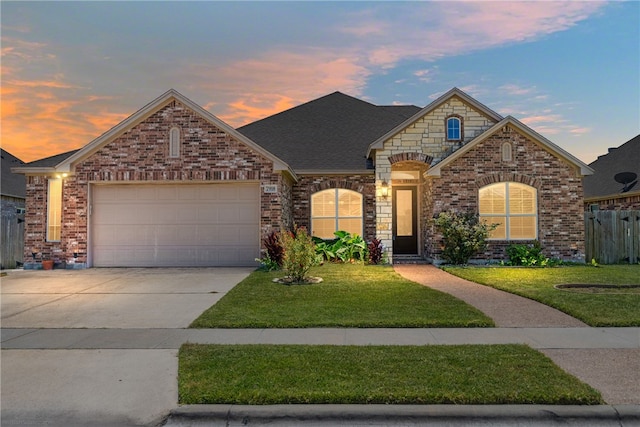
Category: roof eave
[336,172]
[142,114]
[34,171]
[509,120]
[426,110]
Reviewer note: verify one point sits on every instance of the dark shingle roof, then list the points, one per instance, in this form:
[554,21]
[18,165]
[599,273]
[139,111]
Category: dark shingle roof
[51,161]
[12,184]
[625,158]
[329,133]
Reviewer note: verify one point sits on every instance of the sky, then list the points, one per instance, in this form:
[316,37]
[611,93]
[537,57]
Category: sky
[72,70]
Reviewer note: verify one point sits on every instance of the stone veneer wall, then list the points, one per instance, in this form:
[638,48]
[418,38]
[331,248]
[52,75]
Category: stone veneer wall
[309,184]
[141,154]
[426,137]
[559,185]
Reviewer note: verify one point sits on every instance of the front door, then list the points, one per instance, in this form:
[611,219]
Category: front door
[405,224]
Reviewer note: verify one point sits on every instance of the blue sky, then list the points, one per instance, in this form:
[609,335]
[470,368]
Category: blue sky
[72,70]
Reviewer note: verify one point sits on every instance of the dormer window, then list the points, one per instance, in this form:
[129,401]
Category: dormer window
[454,129]
[174,142]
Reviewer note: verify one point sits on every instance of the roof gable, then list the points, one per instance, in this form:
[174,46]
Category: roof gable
[455,92]
[330,133]
[521,127]
[65,162]
[625,158]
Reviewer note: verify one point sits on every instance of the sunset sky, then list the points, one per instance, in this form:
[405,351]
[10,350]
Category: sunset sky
[72,70]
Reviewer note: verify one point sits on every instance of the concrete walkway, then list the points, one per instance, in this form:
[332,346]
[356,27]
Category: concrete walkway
[126,374]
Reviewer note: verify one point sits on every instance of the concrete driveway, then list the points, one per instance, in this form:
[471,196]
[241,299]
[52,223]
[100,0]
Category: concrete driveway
[100,386]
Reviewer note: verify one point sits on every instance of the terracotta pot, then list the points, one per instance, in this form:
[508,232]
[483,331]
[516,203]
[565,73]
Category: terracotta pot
[47,264]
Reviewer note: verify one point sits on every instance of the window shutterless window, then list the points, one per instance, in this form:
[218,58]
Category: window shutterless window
[512,205]
[54,210]
[336,209]
[454,129]
[174,142]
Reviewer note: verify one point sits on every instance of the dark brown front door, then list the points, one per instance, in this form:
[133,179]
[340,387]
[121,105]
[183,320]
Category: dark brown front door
[405,224]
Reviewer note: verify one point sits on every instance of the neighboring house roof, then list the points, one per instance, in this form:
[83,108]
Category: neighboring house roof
[625,158]
[12,184]
[521,127]
[378,143]
[65,162]
[330,133]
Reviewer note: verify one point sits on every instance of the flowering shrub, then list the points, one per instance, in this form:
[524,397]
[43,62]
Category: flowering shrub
[299,254]
[463,235]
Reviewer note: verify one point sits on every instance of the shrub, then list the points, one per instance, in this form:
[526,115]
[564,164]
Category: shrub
[528,255]
[375,251]
[463,235]
[274,248]
[299,254]
[346,247]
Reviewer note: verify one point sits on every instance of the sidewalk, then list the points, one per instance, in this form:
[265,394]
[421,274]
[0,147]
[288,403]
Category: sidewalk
[126,375]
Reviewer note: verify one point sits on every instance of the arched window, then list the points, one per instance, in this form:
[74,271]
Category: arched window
[454,129]
[174,142]
[512,205]
[336,209]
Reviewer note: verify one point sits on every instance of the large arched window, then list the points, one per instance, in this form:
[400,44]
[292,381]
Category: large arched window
[336,209]
[512,205]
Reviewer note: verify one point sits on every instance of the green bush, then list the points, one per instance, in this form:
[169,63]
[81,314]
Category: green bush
[463,235]
[346,247]
[299,254]
[528,255]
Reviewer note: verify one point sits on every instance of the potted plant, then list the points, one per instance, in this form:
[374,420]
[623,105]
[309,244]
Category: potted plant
[47,264]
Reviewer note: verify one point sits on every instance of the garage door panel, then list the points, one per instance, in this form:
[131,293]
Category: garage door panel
[175,225]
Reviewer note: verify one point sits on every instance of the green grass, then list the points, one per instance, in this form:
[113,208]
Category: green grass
[287,374]
[350,296]
[595,309]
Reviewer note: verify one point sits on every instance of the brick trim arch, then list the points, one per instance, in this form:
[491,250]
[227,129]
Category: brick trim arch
[343,183]
[510,177]
[410,157]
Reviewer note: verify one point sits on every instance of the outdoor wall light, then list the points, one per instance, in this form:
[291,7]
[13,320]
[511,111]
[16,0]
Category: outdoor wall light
[384,189]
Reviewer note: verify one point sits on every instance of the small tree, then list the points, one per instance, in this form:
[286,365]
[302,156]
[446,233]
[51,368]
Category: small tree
[299,254]
[463,234]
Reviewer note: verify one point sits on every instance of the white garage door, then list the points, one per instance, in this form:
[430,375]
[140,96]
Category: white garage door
[175,225]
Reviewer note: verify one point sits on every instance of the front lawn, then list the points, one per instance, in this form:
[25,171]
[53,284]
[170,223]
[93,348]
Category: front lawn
[350,296]
[281,374]
[620,308]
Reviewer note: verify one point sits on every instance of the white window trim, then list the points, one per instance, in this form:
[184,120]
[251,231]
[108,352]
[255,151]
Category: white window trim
[508,216]
[54,217]
[336,217]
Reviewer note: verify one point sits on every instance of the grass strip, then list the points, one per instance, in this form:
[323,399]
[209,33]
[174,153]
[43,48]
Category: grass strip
[296,374]
[595,309]
[350,296]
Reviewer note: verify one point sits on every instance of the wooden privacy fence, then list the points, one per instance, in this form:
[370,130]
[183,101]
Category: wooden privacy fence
[12,241]
[612,237]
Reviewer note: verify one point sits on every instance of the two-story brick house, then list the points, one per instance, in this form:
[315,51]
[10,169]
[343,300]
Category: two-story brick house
[173,185]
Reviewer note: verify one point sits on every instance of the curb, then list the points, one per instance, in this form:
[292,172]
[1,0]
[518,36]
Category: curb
[618,415]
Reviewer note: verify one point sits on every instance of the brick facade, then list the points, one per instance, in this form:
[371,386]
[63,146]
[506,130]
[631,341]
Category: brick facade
[309,184]
[615,203]
[141,154]
[209,154]
[558,184]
